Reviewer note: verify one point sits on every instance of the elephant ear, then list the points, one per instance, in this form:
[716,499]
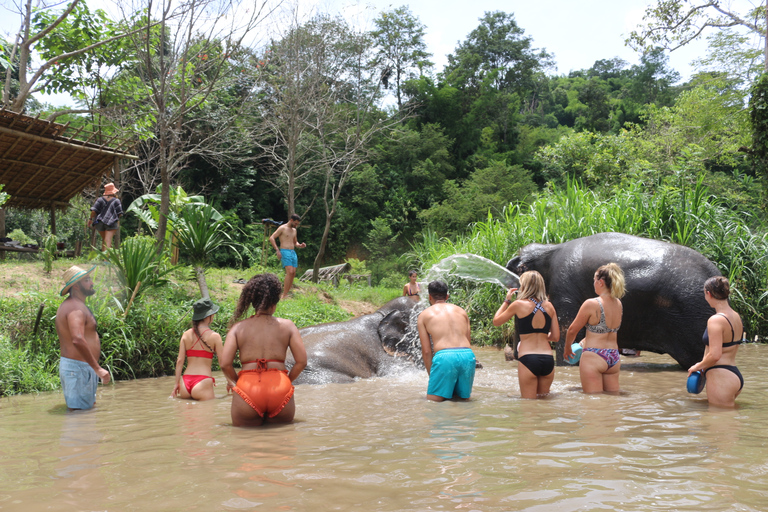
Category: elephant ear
[391,330]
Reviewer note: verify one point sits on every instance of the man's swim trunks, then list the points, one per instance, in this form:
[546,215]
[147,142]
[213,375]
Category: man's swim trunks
[289,258]
[78,382]
[267,391]
[191,381]
[452,373]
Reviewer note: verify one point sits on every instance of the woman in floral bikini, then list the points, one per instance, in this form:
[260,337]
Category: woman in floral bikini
[600,363]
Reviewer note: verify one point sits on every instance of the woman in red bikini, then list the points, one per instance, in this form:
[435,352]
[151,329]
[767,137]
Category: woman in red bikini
[197,346]
[264,387]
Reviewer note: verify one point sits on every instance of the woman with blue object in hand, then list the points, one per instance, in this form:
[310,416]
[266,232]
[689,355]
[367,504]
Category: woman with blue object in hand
[537,327]
[600,361]
[722,338]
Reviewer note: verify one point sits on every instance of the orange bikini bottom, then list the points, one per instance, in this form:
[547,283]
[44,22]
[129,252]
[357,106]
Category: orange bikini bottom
[267,391]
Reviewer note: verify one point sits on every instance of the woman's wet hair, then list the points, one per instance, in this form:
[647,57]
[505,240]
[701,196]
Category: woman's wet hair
[532,285]
[412,272]
[718,287]
[262,292]
[613,277]
[196,329]
[438,290]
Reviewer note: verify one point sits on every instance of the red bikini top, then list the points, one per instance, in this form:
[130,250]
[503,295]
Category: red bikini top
[199,353]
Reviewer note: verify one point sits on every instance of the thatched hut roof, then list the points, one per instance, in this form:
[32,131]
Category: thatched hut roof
[43,165]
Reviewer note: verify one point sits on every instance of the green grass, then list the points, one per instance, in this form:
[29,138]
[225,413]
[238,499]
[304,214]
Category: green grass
[144,343]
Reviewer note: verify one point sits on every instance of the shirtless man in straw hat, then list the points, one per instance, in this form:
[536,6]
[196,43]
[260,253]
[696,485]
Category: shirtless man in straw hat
[79,368]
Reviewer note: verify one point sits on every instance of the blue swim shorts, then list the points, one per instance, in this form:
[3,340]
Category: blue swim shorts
[452,373]
[78,381]
[289,258]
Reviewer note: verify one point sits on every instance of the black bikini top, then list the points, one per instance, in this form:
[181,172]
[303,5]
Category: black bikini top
[731,343]
[525,324]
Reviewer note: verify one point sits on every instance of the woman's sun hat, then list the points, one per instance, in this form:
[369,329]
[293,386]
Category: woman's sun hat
[203,308]
[72,275]
[110,189]
[576,349]
[696,382]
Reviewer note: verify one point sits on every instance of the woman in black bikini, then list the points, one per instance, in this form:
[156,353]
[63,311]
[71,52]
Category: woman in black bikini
[722,338]
[537,324]
[412,288]
[198,346]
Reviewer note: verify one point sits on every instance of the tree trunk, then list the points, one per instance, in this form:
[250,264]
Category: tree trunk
[321,251]
[165,206]
[201,282]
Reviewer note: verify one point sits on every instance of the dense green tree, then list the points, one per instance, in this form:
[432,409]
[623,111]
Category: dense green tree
[487,190]
[497,47]
[401,50]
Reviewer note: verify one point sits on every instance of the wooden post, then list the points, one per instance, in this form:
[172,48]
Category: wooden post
[2,230]
[53,219]
[116,172]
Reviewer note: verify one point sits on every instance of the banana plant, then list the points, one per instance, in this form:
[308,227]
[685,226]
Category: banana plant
[198,233]
[147,207]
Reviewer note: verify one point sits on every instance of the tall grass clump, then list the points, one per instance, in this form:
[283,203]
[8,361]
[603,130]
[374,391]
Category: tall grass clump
[23,371]
[137,261]
[685,214]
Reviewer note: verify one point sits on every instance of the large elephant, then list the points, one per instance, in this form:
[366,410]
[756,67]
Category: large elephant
[664,307]
[366,346]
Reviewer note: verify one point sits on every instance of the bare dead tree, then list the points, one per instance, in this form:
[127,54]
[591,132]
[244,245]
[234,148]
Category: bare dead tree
[186,62]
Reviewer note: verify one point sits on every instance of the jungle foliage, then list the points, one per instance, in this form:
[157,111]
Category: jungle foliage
[492,152]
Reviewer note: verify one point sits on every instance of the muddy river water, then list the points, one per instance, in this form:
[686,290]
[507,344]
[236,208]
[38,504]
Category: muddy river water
[377,445]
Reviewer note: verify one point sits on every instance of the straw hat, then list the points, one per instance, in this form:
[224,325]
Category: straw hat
[72,276]
[203,309]
[110,189]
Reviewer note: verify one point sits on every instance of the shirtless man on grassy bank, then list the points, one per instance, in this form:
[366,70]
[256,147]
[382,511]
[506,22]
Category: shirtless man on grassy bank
[286,252]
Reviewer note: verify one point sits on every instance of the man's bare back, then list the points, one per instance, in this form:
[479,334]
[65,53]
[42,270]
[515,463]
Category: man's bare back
[445,335]
[447,324]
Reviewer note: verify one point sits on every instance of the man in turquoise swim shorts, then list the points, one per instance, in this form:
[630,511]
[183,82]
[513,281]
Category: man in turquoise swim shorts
[286,252]
[79,368]
[444,333]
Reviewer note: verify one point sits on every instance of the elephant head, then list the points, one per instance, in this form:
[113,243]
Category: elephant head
[366,346]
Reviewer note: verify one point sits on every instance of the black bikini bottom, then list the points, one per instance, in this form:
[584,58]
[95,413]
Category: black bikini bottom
[538,364]
[730,369]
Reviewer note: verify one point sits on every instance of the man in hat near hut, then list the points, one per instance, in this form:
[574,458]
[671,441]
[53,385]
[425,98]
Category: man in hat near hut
[79,368]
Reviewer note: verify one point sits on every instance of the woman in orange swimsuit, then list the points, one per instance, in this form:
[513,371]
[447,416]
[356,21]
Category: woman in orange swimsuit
[412,288]
[197,346]
[264,387]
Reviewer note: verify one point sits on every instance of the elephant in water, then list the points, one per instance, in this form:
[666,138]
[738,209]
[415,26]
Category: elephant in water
[367,346]
[664,307]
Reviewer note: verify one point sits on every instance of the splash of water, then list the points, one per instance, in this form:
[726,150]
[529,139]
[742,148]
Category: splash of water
[474,268]
[462,266]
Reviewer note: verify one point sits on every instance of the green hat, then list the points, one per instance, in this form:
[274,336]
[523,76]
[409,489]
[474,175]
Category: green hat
[72,276]
[203,309]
